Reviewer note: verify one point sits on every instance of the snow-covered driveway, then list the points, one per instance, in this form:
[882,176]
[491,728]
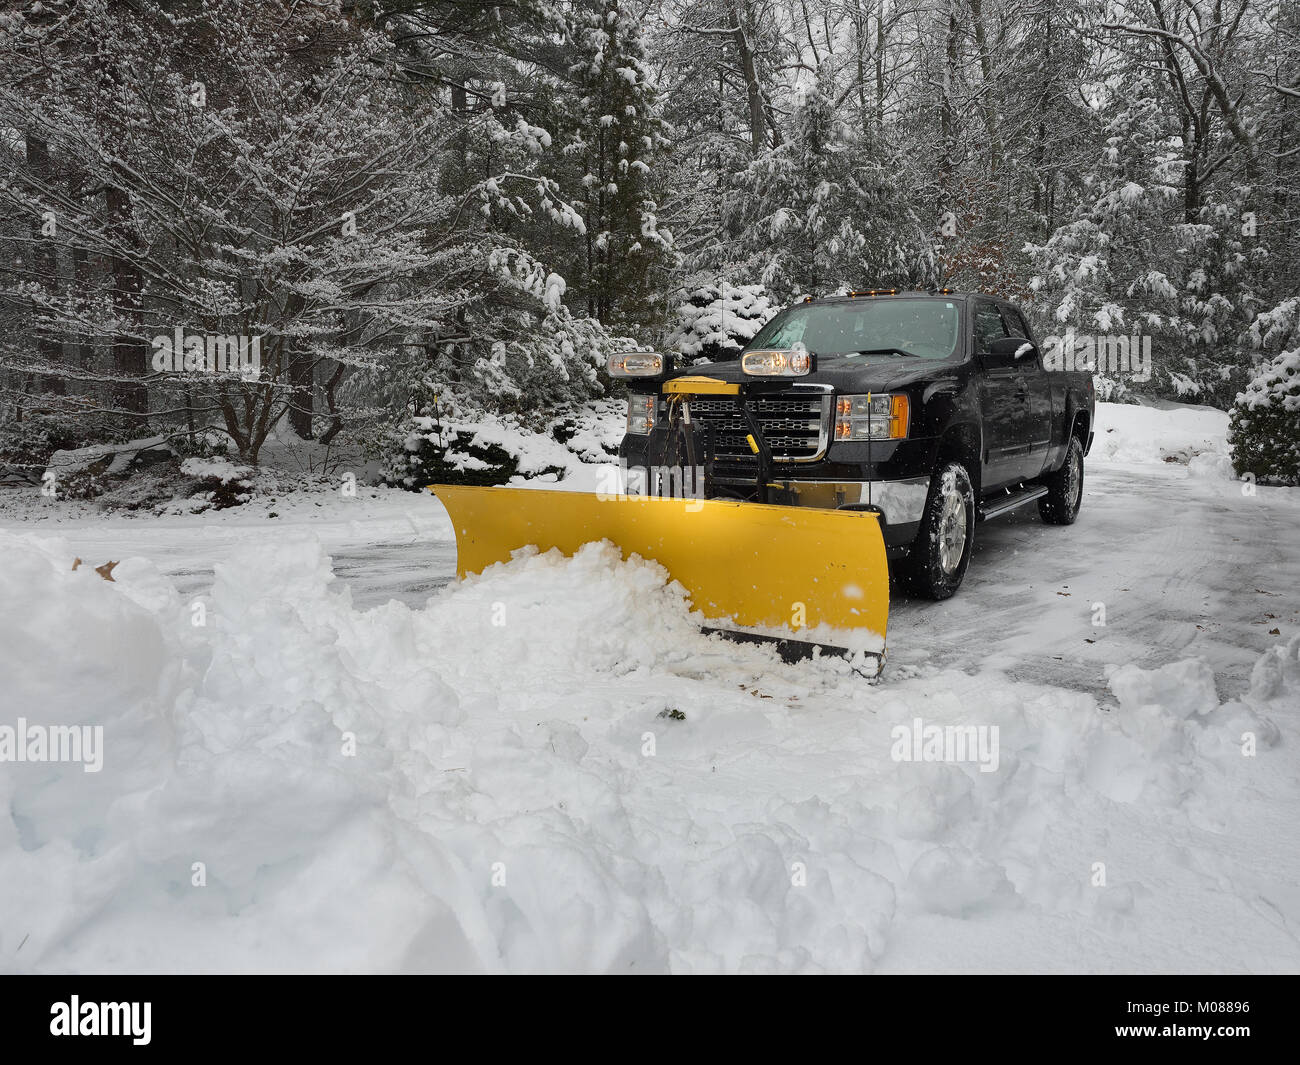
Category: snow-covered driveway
[1184,566]
[547,768]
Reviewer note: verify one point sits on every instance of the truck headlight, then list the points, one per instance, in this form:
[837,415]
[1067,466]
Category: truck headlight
[635,364]
[776,363]
[640,414]
[871,417]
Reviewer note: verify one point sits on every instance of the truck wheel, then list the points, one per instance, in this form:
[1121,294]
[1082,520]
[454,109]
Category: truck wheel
[939,556]
[1064,488]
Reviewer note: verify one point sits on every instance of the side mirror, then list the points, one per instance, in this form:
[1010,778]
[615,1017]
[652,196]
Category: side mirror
[1007,351]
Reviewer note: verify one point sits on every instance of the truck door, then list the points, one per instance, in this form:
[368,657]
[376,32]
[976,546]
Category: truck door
[1034,391]
[1000,402]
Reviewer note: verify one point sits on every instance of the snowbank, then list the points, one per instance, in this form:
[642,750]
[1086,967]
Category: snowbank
[1133,433]
[497,782]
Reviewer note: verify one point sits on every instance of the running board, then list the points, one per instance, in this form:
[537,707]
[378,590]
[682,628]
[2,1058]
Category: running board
[792,651]
[1011,502]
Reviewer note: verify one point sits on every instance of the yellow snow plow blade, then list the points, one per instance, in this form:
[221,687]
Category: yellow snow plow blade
[757,565]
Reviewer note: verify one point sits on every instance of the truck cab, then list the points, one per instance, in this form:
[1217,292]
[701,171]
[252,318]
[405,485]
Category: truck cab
[934,409]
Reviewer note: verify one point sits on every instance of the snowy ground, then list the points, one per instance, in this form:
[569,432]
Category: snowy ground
[380,769]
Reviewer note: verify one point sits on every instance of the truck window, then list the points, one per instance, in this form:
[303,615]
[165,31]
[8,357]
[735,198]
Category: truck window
[988,326]
[926,327]
[1015,323]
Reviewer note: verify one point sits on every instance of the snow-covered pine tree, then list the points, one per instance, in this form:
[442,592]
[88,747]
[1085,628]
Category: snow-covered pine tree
[1163,240]
[717,61]
[817,215]
[718,318]
[613,131]
[1100,271]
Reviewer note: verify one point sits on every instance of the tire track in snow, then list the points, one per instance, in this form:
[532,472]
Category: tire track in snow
[1175,562]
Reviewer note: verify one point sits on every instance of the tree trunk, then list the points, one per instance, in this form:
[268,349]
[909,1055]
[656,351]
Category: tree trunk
[880,67]
[989,104]
[749,68]
[84,278]
[1192,189]
[947,115]
[130,352]
[302,393]
[46,265]
[335,419]
[859,35]
[299,368]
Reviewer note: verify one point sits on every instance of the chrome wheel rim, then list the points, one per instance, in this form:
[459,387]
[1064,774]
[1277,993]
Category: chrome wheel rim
[952,530]
[1074,480]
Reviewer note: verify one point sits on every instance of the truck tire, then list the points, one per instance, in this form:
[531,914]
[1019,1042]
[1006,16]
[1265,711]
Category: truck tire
[1064,488]
[941,551]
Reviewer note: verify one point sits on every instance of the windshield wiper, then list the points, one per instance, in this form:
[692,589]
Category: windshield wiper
[888,351]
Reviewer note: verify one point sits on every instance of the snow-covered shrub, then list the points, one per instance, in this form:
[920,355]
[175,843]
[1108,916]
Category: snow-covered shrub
[530,364]
[425,449]
[540,356]
[719,319]
[89,483]
[456,441]
[413,450]
[28,445]
[88,472]
[1264,426]
[219,482]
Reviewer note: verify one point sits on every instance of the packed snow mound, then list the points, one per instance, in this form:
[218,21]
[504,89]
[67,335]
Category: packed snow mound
[497,782]
[1131,433]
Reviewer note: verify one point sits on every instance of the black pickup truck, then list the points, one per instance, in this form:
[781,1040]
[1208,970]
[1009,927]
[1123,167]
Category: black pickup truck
[933,409]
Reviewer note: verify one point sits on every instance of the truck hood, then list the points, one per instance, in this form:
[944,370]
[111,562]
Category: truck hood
[843,373]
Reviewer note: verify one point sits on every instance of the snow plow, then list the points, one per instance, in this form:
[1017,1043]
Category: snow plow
[808,581]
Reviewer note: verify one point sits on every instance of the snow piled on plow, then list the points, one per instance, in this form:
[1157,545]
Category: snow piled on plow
[554,771]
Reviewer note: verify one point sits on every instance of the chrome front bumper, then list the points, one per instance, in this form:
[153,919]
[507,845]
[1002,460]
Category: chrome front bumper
[900,502]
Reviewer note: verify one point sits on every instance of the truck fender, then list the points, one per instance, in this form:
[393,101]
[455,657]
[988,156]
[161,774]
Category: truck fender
[1077,422]
[965,442]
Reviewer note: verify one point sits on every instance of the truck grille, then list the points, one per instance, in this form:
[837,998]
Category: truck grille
[794,424]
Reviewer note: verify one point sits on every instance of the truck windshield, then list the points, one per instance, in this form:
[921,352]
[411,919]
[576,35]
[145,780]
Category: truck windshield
[881,328]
